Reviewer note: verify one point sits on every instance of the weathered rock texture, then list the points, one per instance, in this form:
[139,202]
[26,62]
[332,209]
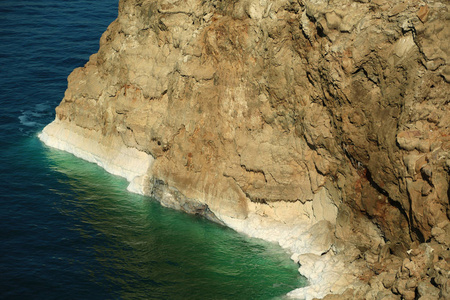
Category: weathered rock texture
[333,114]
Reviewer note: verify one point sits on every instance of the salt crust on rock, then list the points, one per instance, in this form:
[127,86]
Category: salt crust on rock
[108,152]
[293,226]
[308,237]
[305,240]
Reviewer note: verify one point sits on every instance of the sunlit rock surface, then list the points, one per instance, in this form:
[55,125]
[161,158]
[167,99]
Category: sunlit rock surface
[320,125]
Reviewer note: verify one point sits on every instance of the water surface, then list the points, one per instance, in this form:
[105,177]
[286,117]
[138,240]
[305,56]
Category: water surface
[68,229]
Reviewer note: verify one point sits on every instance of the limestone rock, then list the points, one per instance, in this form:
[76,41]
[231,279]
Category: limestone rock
[321,125]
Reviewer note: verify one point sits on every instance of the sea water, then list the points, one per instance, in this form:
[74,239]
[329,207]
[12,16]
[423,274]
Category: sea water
[68,229]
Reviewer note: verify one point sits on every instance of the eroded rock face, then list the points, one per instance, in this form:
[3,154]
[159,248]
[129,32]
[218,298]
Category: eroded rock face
[340,108]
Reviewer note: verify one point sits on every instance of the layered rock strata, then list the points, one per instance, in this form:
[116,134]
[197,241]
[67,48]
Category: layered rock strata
[320,125]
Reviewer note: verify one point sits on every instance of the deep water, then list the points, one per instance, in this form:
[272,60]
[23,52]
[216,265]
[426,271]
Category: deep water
[69,230]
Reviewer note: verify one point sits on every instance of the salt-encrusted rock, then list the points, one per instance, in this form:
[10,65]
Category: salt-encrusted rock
[320,125]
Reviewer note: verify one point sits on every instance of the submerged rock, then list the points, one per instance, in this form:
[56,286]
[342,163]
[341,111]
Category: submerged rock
[321,125]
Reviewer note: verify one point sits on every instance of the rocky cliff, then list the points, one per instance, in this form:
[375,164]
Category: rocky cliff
[322,125]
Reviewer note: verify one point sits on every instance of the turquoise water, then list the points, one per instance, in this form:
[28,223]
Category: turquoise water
[68,229]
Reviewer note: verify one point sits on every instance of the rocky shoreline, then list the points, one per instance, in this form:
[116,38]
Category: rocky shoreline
[308,242]
[320,125]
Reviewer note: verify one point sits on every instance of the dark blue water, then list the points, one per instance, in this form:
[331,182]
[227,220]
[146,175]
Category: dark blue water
[69,230]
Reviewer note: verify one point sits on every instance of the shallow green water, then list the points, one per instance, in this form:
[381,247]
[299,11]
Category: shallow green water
[145,249]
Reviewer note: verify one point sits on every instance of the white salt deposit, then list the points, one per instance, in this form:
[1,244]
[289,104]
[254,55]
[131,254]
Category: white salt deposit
[310,241]
[306,233]
[108,152]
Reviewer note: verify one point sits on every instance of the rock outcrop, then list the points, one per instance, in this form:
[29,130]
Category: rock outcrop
[321,125]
